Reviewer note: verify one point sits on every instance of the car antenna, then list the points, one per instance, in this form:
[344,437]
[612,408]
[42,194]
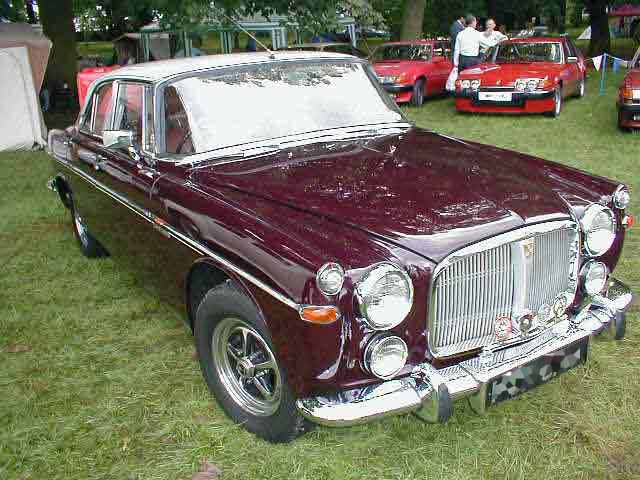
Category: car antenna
[272,55]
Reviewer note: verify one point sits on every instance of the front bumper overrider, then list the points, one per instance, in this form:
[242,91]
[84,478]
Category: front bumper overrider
[430,392]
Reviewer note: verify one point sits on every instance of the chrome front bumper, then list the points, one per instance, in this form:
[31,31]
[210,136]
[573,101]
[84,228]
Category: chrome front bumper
[430,392]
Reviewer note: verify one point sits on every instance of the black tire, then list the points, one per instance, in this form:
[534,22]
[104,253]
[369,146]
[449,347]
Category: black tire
[89,246]
[219,306]
[417,99]
[557,109]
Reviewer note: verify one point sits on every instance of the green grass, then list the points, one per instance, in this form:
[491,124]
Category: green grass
[109,388]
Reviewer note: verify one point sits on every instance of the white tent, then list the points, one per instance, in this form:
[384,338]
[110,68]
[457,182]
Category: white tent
[586,35]
[23,60]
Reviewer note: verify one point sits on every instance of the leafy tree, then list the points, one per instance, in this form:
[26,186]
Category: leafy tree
[57,24]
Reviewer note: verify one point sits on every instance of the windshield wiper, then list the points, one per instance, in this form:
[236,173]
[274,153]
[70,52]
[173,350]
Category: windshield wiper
[221,158]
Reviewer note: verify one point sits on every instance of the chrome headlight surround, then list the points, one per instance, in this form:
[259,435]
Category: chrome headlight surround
[330,278]
[385,356]
[593,277]
[385,296]
[598,226]
[621,197]
[475,84]
[521,85]
[465,84]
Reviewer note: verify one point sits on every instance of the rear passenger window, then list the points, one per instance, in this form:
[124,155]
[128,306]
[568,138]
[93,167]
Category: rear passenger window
[177,130]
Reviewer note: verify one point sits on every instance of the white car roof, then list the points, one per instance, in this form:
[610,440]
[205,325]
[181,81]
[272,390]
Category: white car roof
[165,69]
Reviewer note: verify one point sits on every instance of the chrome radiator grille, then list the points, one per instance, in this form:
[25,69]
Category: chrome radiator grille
[509,275]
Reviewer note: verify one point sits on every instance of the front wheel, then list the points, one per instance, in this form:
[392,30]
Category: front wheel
[557,103]
[240,367]
[417,99]
[89,246]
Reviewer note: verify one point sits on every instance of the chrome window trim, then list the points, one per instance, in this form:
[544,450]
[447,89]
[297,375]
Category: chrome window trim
[518,234]
[198,247]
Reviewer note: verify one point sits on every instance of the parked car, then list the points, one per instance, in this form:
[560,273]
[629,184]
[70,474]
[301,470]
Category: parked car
[412,71]
[527,75]
[335,47]
[629,99]
[336,263]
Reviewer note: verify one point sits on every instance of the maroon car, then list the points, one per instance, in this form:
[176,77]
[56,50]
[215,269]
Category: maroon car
[336,263]
[629,98]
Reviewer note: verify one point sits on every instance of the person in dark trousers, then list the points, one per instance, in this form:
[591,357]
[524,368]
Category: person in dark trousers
[456,28]
[466,53]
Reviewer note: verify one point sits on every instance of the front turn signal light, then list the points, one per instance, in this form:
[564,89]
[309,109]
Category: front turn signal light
[627,93]
[627,221]
[322,315]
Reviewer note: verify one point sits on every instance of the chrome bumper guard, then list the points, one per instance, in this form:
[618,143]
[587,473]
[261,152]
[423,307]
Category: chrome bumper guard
[430,392]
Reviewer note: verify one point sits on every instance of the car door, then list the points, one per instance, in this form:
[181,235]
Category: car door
[441,66]
[571,70]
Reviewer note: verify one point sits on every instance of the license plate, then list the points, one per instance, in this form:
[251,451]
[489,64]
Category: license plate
[541,370]
[636,94]
[495,96]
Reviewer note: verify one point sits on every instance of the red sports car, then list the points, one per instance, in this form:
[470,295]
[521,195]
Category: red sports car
[629,101]
[411,71]
[524,75]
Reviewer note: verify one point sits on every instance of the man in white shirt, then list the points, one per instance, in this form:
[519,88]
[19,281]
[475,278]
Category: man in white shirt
[490,36]
[467,50]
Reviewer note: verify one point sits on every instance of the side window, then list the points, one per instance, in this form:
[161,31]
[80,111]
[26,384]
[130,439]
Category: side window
[572,49]
[129,107]
[438,50]
[178,132]
[85,126]
[102,106]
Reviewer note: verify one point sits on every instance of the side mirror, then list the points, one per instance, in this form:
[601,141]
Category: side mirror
[572,59]
[118,138]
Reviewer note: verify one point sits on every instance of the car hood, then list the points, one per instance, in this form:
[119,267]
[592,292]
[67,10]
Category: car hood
[634,77]
[508,73]
[422,191]
[393,67]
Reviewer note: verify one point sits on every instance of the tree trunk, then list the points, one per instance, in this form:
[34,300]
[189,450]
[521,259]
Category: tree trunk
[412,19]
[57,24]
[31,14]
[600,38]
[492,9]
[563,16]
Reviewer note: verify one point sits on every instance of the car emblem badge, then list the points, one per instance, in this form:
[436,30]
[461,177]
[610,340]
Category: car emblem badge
[529,247]
[392,149]
[502,327]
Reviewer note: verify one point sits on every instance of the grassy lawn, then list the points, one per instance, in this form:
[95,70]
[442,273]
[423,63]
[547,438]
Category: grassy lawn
[98,378]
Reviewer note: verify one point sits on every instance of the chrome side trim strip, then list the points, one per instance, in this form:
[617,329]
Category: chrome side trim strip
[160,223]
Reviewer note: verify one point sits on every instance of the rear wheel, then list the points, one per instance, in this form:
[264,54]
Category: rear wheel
[581,88]
[239,365]
[417,99]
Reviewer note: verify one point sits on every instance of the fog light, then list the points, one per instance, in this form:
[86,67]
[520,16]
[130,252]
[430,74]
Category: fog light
[621,197]
[330,278]
[594,277]
[385,356]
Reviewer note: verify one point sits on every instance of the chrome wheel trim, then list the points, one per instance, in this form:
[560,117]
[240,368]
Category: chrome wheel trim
[419,93]
[581,88]
[81,229]
[558,103]
[247,367]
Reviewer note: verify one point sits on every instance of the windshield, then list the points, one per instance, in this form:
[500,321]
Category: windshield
[273,100]
[402,52]
[527,52]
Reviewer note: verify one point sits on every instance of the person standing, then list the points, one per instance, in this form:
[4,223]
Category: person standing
[456,28]
[467,50]
[490,36]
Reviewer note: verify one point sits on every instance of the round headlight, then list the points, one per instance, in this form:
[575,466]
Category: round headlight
[330,278]
[599,228]
[594,277]
[385,296]
[532,84]
[521,85]
[475,84]
[621,197]
[385,356]
[466,84]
